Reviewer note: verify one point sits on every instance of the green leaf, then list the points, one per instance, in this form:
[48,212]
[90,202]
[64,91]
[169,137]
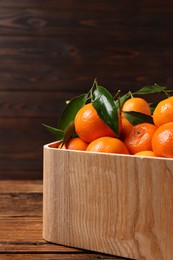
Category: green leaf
[71,110]
[105,106]
[69,131]
[151,89]
[122,99]
[59,133]
[136,118]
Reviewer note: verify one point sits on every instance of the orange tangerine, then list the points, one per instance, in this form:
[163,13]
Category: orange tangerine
[162,141]
[163,112]
[146,153]
[133,104]
[89,126]
[140,138]
[75,144]
[108,145]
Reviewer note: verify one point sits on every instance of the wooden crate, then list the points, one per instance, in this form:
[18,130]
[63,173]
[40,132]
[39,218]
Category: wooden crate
[116,204]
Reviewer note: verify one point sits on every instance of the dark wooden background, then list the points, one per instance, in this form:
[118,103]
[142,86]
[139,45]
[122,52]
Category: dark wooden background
[51,51]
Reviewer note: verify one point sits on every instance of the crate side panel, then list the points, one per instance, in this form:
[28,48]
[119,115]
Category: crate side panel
[120,205]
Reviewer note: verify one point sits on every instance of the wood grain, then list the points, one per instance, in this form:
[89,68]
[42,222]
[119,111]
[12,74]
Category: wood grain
[34,104]
[21,225]
[21,186]
[68,4]
[20,198]
[26,154]
[114,204]
[43,63]
[57,20]
[58,256]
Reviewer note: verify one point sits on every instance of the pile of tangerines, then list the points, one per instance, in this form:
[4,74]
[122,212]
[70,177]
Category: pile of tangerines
[90,130]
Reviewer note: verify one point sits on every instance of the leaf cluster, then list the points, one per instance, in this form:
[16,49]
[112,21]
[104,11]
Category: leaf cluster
[107,106]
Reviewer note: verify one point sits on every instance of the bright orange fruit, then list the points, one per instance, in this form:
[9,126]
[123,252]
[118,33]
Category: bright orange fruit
[162,141]
[108,145]
[89,126]
[140,137]
[133,104]
[137,104]
[126,127]
[75,144]
[146,153]
[163,112]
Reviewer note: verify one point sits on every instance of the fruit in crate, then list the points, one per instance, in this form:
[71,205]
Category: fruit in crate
[123,124]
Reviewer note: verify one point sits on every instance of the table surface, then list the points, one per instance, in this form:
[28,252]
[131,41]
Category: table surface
[21,225]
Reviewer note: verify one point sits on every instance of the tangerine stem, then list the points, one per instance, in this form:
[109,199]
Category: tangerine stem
[131,94]
[95,84]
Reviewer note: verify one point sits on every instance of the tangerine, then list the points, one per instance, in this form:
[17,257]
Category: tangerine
[137,104]
[108,145]
[163,112]
[146,153]
[89,126]
[126,126]
[140,138]
[133,104]
[162,141]
[75,143]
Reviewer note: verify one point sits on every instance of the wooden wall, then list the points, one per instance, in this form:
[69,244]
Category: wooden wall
[52,50]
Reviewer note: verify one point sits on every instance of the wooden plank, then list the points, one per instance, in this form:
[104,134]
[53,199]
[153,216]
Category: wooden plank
[21,186]
[56,21]
[20,104]
[77,256]
[68,4]
[26,153]
[25,235]
[32,3]
[128,75]
[21,204]
[19,174]
[29,131]
[21,198]
[77,50]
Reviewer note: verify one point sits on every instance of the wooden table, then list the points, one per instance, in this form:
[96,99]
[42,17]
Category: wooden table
[21,225]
